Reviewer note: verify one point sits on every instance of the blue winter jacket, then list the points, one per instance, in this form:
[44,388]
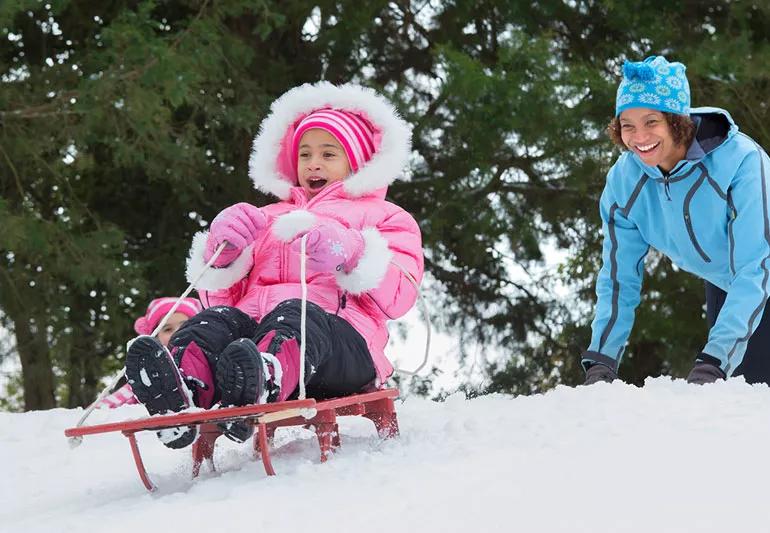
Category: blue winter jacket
[709,215]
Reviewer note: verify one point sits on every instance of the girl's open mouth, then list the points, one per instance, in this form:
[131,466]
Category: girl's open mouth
[316,184]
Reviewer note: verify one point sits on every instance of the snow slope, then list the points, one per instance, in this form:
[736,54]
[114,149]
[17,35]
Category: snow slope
[666,457]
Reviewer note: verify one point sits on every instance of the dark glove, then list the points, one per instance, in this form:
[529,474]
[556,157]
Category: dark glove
[599,372]
[212,330]
[703,373]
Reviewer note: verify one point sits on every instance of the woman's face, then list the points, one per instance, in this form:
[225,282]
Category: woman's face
[321,160]
[646,133]
[174,322]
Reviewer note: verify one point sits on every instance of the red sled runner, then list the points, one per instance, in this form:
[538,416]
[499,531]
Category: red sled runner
[321,416]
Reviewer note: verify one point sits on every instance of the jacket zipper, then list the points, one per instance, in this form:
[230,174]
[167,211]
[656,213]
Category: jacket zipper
[667,181]
[342,301]
[730,236]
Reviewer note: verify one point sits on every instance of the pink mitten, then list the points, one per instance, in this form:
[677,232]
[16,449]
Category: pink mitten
[239,225]
[332,247]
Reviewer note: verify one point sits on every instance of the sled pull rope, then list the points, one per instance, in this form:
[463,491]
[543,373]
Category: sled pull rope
[75,441]
[303,314]
[426,317]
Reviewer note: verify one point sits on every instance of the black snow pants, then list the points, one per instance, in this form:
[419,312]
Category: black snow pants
[337,359]
[755,367]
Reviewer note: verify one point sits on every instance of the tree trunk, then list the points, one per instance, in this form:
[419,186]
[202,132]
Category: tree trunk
[37,372]
[85,354]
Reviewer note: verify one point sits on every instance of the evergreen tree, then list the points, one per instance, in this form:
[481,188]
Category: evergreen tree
[126,126]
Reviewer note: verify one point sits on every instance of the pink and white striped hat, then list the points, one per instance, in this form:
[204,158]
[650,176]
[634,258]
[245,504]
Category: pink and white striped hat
[158,308]
[352,131]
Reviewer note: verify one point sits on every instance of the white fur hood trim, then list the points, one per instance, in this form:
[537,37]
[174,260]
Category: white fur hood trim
[288,226]
[387,164]
[215,279]
[372,266]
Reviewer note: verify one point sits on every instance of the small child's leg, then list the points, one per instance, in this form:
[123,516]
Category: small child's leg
[122,396]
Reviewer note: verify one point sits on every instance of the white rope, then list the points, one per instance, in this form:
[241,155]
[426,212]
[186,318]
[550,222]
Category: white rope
[74,441]
[426,316]
[303,315]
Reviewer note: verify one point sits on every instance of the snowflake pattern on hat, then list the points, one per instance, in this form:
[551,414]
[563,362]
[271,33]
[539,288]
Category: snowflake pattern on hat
[654,83]
[649,98]
[673,104]
[624,99]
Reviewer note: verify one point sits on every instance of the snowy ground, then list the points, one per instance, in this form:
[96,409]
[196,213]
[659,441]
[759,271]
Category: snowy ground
[666,457]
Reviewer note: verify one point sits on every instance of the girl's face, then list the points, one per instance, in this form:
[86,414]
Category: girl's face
[321,160]
[174,322]
[646,133]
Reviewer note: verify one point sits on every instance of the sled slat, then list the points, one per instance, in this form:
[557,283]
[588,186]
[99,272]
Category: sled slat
[191,418]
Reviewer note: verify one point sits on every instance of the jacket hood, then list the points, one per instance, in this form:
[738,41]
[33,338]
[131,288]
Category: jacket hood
[714,127]
[271,167]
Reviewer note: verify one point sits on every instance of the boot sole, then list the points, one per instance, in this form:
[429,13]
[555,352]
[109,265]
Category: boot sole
[156,383]
[240,381]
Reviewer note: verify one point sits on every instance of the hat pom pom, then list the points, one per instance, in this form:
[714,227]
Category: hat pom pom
[638,71]
[140,326]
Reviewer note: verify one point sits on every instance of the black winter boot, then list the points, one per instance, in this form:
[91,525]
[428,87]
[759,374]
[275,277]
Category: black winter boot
[240,378]
[158,384]
[598,372]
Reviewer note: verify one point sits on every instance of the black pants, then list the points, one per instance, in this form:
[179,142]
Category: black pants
[755,367]
[337,359]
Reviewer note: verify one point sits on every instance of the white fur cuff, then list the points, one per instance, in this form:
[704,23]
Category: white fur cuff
[372,266]
[215,279]
[287,226]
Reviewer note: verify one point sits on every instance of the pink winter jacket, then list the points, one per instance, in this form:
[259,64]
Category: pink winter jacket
[268,271]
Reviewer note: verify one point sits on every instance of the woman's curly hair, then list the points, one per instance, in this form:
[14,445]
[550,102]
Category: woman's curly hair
[682,130]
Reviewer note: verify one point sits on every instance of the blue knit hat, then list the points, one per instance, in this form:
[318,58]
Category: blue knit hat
[656,84]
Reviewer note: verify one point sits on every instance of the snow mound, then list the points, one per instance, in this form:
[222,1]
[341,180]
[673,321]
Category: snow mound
[665,457]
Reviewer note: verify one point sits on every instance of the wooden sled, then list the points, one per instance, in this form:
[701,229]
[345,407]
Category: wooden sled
[321,416]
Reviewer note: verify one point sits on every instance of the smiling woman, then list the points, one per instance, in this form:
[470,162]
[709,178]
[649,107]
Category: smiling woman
[693,187]
[675,131]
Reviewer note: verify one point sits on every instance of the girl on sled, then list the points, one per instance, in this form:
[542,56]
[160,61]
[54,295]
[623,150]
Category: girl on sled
[328,153]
